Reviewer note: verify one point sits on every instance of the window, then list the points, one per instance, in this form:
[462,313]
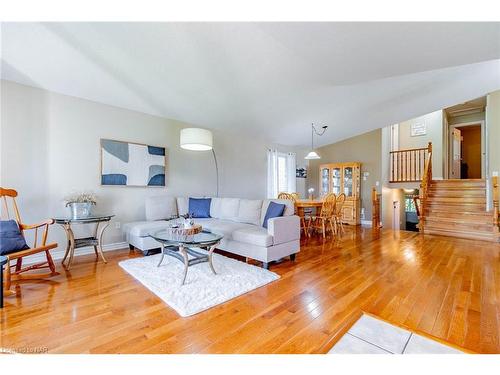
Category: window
[280,173]
[410,204]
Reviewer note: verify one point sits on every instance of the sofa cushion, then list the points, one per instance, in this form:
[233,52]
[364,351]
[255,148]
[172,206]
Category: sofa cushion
[289,209]
[273,210]
[229,208]
[144,228]
[182,205]
[215,207]
[160,207]
[255,236]
[199,207]
[249,211]
[224,227]
[11,237]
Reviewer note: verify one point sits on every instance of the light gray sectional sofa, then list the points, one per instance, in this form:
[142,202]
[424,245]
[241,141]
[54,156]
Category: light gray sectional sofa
[238,220]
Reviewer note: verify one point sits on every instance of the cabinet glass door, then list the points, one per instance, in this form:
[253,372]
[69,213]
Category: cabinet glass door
[325,177]
[348,181]
[336,181]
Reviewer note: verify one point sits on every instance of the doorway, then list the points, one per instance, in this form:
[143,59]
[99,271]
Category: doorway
[465,140]
[466,152]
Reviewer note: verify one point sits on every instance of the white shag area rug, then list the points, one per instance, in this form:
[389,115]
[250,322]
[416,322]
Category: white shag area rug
[202,289]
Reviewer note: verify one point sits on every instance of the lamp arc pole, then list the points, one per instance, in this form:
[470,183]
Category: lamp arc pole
[216,172]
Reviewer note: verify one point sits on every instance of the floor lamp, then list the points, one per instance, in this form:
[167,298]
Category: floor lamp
[197,139]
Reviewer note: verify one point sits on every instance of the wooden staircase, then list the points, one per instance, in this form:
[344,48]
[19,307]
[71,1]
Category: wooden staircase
[457,208]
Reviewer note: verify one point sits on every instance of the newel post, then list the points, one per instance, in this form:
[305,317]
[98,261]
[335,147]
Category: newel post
[494,181]
[375,209]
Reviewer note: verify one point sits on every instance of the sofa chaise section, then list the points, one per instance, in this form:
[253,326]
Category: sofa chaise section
[238,220]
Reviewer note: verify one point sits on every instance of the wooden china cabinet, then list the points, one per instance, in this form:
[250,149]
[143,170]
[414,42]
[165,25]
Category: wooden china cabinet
[344,178]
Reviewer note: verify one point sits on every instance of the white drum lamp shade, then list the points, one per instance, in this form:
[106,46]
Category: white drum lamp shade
[196,139]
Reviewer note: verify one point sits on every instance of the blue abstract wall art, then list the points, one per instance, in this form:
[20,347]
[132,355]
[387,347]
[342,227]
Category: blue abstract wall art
[132,164]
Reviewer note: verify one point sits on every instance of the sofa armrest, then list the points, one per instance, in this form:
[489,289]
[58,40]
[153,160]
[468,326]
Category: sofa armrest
[284,228]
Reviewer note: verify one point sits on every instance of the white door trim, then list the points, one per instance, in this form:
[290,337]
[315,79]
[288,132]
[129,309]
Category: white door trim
[484,149]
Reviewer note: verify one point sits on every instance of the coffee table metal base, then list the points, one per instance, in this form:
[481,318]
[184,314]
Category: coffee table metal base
[182,253]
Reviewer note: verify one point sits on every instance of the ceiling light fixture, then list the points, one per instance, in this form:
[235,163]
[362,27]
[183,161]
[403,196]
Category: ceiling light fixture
[312,155]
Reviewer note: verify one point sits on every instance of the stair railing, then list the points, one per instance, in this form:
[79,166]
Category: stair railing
[375,209]
[496,195]
[416,202]
[408,165]
[424,187]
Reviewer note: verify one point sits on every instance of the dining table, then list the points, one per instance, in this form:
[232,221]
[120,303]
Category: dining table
[302,204]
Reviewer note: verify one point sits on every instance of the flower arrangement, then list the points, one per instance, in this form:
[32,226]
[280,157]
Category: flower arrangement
[84,197]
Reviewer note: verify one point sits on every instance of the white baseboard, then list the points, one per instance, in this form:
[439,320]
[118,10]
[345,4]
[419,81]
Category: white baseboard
[58,253]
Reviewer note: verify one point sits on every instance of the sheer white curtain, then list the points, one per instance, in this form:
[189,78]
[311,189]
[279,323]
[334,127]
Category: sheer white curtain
[272,173]
[280,167]
[291,166]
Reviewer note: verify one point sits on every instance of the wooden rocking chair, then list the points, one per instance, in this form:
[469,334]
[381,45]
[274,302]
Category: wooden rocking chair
[11,275]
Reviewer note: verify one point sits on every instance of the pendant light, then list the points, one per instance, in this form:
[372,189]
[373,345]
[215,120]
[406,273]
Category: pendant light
[312,155]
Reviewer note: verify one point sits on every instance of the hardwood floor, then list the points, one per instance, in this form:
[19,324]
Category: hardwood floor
[441,287]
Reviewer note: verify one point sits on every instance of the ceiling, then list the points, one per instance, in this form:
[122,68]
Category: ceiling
[267,80]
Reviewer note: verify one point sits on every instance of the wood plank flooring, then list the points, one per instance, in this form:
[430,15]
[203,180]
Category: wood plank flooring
[437,286]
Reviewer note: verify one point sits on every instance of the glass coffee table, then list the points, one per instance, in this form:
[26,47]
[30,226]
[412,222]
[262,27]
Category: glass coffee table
[180,247]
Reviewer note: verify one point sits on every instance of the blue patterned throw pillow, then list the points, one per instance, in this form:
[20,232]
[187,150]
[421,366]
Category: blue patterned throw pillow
[273,210]
[199,207]
[11,239]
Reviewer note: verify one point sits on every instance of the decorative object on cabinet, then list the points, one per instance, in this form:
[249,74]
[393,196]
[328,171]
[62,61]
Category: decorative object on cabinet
[338,178]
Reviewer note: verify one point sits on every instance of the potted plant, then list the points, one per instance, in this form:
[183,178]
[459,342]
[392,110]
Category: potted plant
[80,204]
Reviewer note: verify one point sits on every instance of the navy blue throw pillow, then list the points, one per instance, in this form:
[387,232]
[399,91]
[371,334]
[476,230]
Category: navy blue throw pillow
[11,239]
[273,210]
[199,207]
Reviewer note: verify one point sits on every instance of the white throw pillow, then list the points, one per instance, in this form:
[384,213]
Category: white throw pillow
[215,208]
[249,211]
[229,208]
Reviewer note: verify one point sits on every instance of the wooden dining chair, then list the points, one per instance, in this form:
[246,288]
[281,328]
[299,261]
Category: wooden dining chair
[10,275]
[326,215]
[337,216]
[293,197]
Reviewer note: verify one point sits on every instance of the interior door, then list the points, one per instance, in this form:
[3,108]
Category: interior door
[456,140]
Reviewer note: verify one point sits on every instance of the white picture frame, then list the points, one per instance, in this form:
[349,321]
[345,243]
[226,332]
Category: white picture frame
[418,129]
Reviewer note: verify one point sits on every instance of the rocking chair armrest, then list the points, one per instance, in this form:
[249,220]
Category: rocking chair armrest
[33,226]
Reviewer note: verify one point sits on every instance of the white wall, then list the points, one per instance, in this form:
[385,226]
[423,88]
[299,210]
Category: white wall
[493,126]
[50,147]
[434,124]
